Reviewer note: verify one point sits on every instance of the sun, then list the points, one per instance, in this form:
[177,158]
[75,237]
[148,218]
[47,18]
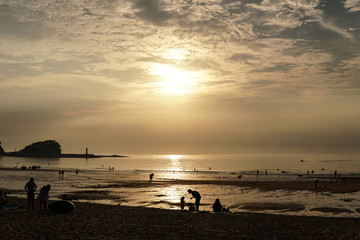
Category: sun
[175,81]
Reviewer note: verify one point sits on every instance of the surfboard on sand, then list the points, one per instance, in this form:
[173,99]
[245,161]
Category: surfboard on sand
[62,206]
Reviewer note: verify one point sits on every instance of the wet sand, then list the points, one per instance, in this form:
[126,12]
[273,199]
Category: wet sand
[328,184]
[94,221]
[344,184]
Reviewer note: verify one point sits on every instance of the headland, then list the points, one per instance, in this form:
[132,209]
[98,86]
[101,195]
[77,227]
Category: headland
[49,149]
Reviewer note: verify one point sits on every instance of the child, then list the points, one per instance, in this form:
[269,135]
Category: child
[182,203]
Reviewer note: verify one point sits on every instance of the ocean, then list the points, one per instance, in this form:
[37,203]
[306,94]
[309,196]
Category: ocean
[123,178]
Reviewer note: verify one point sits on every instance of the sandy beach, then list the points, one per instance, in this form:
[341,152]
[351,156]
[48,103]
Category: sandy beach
[333,196]
[95,221]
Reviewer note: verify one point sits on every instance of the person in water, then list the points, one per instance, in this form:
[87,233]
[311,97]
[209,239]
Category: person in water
[197,197]
[30,189]
[217,207]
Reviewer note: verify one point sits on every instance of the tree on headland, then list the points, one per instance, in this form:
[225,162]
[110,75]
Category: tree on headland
[48,148]
[51,149]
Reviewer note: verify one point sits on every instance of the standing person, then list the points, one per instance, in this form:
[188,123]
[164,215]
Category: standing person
[44,196]
[151,176]
[30,188]
[182,203]
[197,197]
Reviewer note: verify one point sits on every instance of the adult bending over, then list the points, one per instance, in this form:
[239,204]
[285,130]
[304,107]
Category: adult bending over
[197,197]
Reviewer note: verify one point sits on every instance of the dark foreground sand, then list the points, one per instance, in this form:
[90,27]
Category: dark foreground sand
[94,221]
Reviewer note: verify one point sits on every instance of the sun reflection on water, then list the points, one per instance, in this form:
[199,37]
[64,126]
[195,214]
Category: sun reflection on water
[175,164]
[174,157]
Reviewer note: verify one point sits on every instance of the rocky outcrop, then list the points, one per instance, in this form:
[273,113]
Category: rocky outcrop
[48,148]
[2,152]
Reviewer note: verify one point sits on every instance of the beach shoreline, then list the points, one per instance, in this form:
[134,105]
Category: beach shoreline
[326,183]
[104,193]
[97,221]
[332,197]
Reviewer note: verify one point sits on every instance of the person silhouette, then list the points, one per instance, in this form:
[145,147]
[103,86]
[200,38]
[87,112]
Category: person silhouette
[182,203]
[197,197]
[217,207]
[30,188]
[44,196]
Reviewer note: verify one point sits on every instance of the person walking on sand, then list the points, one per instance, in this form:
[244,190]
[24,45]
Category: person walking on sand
[197,197]
[30,188]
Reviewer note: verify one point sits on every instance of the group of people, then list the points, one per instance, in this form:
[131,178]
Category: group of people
[42,197]
[217,207]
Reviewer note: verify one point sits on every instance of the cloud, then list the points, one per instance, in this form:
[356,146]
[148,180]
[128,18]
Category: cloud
[352,5]
[90,62]
[152,11]
[242,57]
[14,22]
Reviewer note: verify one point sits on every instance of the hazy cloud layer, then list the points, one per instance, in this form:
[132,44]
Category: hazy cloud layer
[97,69]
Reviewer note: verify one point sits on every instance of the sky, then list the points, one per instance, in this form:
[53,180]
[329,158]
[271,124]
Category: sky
[181,77]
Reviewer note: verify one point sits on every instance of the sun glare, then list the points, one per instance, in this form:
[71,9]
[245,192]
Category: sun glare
[174,157]
[175,81]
